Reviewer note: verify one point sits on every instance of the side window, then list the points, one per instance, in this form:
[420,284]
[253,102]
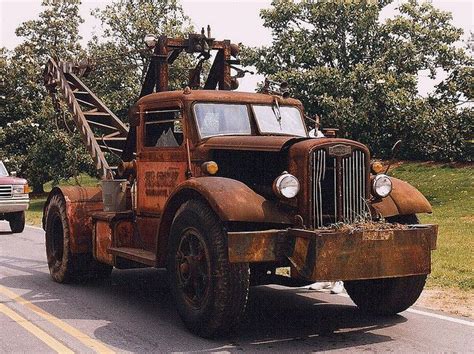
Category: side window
[163,127]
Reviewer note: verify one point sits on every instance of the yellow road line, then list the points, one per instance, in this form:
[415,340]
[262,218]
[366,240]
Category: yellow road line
[94,344]
[38,332]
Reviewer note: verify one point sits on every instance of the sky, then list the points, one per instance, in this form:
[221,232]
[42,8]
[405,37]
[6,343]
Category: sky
[238,21]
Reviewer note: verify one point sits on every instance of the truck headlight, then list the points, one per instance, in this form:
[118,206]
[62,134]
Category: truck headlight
[382,185]
[286,186]
[18,189]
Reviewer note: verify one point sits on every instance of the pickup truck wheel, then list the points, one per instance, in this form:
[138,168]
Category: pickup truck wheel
[387,296]
[63,266]
[17,222]
[210,293]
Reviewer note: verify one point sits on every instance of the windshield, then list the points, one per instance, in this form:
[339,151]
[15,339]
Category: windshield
[222,119]
[3,170]
[279,120]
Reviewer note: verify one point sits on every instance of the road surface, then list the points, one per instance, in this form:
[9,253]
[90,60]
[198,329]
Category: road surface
[134,312]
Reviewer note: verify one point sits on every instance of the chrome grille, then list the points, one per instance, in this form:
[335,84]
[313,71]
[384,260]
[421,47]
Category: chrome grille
[5,191]
[325,202]
[319,174]
[353,187]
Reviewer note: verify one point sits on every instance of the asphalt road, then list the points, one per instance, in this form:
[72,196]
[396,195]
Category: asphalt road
[134,312]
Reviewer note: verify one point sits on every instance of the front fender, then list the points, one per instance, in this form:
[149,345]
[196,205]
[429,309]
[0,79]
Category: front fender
[231,200]
[403,200]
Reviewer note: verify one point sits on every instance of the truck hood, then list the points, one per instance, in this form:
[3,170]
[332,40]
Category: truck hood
[12,180]
[271,143]
[252,143]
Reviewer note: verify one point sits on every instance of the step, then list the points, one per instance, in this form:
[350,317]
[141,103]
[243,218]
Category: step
[115,138]
[85,103]
[92,122]
[134,254]
[82,95]
[110,149]
[95,113]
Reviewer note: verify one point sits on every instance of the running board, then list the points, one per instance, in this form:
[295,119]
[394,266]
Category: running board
[134,254]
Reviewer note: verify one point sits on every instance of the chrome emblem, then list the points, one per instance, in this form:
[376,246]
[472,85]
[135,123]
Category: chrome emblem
[339,150]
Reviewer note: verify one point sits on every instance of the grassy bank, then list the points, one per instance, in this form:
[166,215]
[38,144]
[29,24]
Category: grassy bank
[450,191]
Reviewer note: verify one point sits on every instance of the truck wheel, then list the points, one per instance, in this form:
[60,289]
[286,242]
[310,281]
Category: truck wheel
[391,295]
[17,222]
[63,266]
[210,293]
[385,296]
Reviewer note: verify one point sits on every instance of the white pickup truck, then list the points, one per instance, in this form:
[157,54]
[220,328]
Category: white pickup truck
[14,199]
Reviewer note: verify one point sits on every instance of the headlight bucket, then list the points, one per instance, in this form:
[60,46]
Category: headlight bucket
[286,186]
[381,185]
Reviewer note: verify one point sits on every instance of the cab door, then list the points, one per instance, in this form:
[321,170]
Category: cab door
[161,162]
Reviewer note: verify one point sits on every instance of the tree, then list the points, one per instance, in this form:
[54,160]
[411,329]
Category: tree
[122,60]
[29,122]
[360,74]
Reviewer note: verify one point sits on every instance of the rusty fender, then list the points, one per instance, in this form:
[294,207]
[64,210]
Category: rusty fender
[404,200]
[231,200]
[340,255]
[80,203]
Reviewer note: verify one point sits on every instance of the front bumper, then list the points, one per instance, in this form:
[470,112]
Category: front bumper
[13,205]
[340,255]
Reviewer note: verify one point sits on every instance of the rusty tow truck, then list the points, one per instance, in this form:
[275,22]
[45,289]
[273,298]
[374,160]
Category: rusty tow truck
[222,188]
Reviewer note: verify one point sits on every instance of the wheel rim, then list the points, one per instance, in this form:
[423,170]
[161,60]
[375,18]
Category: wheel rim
[193,267]
[57,240]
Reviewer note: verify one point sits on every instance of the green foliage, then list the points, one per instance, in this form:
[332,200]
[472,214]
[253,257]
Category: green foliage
[28,122]
[37,141]
[16,139]
[46,157]
[121,57]
[360,75]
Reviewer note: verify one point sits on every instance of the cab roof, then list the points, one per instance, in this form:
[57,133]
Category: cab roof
[215,96]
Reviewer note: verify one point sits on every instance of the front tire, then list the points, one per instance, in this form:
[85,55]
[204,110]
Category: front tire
[385,296]
[210,293]
[391,295]
[17,222]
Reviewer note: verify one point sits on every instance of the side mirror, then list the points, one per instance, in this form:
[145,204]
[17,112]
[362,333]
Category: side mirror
[395,149]
[13,173]
[315,133]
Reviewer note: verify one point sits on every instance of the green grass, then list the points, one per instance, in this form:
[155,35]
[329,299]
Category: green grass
[449,190]
[451,193]
[35,211]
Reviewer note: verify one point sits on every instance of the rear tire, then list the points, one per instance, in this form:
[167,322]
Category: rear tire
[64,266]
[17,222]
[391,295]
[210,293]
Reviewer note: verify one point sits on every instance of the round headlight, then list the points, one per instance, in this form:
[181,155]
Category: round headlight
[286,186]
[382,185]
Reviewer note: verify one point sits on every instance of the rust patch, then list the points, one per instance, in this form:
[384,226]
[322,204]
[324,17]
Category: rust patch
[103,240]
